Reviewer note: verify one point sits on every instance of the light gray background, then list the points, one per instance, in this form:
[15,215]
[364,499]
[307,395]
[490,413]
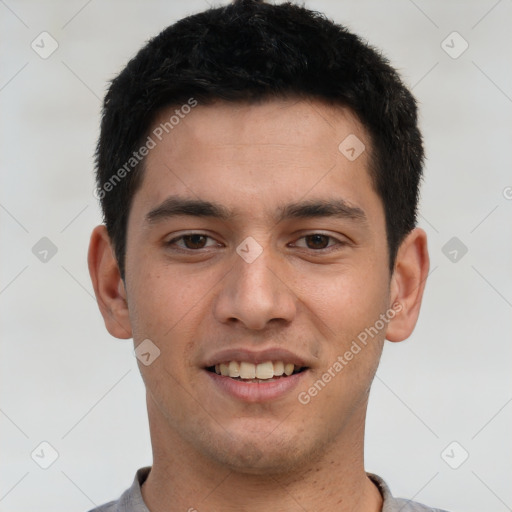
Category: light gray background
[67,382]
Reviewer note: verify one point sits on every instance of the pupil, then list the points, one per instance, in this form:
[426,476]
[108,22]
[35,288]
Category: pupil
[317,241]
[194,241]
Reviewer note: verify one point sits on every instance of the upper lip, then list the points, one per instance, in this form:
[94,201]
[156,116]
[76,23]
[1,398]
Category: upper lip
[255,357]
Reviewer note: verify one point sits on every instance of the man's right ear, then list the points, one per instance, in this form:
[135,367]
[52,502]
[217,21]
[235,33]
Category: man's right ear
[108,285]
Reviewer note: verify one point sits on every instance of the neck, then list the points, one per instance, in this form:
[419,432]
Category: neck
[181,476]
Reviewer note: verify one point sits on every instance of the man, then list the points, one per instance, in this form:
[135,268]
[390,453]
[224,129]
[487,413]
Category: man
[258,169]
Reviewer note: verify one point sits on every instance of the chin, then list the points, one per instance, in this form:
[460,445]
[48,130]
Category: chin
[254,453]
[251,460]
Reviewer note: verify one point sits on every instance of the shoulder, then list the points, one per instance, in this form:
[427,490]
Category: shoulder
[392,504]
[111,506]
[131,500]
[410,506]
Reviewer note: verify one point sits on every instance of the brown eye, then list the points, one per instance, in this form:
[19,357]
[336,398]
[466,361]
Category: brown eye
[194,241]
[317,241]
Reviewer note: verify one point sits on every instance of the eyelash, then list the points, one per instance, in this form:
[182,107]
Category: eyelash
[181,237]
[338,243]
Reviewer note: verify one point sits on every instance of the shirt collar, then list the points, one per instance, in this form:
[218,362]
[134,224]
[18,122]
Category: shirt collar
[132,501]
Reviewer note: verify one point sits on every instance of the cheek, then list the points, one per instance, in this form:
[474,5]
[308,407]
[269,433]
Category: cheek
[168,305]
[347,300]
[156,303]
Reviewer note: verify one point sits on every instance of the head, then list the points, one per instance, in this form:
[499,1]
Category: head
[249,52]
[258,169]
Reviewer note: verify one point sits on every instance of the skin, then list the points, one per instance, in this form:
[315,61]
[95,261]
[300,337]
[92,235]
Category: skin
[212,451]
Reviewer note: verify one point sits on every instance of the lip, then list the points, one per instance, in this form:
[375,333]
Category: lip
[255,357]
[253,392]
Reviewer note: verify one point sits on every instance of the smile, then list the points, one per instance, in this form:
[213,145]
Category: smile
[250,372]
[256,382]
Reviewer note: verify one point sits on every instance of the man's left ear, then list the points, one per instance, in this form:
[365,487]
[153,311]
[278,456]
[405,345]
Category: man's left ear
[407,284]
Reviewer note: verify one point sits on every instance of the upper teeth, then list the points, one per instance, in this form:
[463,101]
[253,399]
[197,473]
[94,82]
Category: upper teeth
[263,371]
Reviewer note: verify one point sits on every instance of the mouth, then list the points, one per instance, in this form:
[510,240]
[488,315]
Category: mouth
[245,371]
[269,374]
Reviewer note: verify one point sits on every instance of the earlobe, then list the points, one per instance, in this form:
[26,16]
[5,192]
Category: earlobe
[408,284]
[108,286]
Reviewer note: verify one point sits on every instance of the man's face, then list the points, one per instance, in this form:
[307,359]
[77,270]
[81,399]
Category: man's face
[287,264]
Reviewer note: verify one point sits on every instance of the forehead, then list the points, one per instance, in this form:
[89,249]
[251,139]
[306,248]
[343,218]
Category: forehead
[297,124]
[257,154]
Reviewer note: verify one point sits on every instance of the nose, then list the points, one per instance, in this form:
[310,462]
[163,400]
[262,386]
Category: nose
[256,294]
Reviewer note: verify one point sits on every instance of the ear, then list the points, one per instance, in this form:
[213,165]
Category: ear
[108,285]
[407,284]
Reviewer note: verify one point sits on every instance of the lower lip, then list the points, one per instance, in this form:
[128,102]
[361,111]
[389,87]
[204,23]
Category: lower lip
[256,391]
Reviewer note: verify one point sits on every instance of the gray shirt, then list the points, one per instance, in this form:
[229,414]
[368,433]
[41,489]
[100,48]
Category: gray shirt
[131,500]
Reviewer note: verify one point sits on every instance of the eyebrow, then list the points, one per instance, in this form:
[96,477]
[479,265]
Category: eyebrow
[338,208]
[176,206]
